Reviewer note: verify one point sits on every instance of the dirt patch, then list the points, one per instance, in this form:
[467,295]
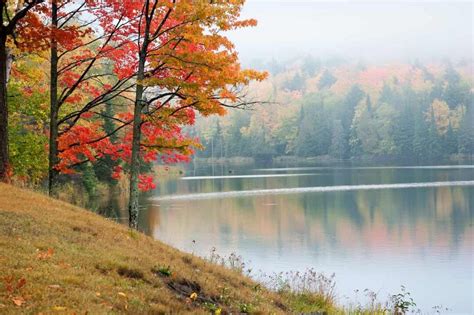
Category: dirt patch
[84,230]
[130,273]
[185,288]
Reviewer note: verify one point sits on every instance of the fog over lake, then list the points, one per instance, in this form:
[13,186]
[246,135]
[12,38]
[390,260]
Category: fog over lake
[370,30]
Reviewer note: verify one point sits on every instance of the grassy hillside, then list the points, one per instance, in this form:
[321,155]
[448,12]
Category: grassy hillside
[56,257]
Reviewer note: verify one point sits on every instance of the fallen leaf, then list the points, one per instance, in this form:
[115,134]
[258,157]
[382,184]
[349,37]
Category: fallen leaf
[45,255]
[97,294]
[193,296]
[64,265]
[122,294]
[18,301]
[9,288]
[21,283]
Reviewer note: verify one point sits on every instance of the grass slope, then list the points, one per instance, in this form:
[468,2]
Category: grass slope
[56,257]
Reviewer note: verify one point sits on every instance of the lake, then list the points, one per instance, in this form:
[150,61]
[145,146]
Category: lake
[374,227]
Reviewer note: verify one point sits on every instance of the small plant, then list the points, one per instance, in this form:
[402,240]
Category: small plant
[440,308]
[233,261]
[225,297]
[245,307]
[162,270]
[211,307]
[133,234]
[402,302]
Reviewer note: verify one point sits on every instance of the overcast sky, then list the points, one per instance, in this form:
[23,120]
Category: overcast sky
[354,29]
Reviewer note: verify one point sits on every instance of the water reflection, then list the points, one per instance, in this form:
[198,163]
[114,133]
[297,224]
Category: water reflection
[421,237]
[320,189]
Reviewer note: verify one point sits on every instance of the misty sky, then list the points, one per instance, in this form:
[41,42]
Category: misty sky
[381,30]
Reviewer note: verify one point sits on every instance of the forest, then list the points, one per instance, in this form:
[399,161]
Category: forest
[338,110]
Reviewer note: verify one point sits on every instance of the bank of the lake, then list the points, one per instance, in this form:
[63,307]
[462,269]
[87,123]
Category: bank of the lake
[376,226]
[58,257]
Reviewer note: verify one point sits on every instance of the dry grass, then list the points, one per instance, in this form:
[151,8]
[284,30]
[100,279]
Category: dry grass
[57,257]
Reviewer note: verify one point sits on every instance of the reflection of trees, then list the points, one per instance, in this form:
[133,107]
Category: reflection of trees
[406,218]
[111,205]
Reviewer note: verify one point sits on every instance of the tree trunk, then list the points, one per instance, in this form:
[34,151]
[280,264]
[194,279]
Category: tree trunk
[135,160]
[137,124]
[9,63]
[53,122]
[4,163]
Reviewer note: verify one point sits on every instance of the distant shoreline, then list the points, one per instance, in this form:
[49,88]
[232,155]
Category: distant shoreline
[244,160]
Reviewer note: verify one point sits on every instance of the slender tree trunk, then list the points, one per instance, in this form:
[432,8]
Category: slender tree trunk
[4,162]
[53,122]
[137,124]
[135,160]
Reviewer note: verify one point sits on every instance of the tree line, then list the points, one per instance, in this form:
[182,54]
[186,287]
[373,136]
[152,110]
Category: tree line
[107,86]
[408,112]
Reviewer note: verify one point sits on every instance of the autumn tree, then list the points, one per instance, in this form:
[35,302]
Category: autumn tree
[192,67]
[11,15]
[28,120]
[81,80]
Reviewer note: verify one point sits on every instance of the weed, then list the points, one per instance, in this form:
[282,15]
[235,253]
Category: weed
[133,234]
[402,302]
[305,292]
[211,307]
[233,261]
[246,307]
[308,282]
[162,271]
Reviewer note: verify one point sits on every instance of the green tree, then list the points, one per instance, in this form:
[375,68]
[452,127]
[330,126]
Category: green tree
[466,132]
[314,134]
[326,80]
[338,141]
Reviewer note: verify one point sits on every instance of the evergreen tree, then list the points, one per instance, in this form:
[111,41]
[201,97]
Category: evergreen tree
[297,83]
[351,100]
[450,141]
[314,134]
[421,135]
[355,144]
[466,132]
[404,134]
[326,80]
[456,94]
[433,139]
[338,143]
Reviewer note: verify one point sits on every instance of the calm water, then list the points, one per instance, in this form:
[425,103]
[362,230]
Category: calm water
[374,227]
